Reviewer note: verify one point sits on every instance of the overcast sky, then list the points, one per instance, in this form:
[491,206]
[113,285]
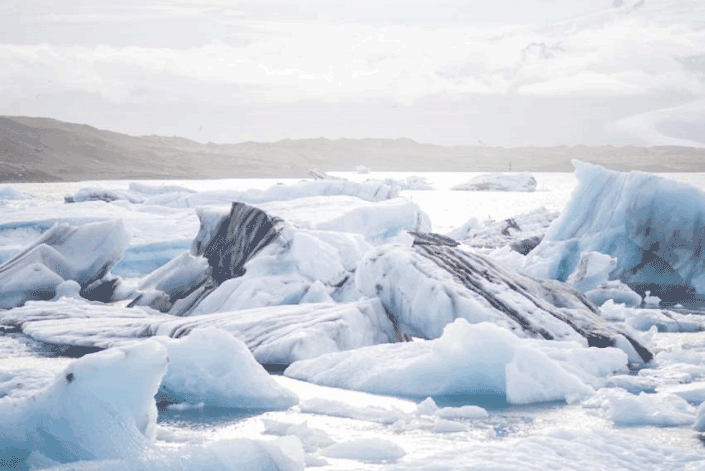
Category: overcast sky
[500,73]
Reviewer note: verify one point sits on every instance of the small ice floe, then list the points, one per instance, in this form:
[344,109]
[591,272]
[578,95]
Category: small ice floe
[651,301]
[8,192]
[467,359]
[369,450]
[500,182]
[659,409]
[213,368]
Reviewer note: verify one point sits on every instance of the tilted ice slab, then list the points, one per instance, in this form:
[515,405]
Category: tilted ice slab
[100,412]
[84,254]
[466,359]
[275,335]
[653,226]
[426,287]
[499,182]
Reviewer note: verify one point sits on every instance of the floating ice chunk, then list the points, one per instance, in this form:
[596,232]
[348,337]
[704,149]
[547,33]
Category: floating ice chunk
[623,408]
[8,192]
[650,300]
[500,182]
[342,409]
[699,425]
[592,271]
[412,183]
[32,281]
[427,407]
[463,412]
[317,293]
[84,254]
[158,189]
[467,359]
[368,450]
[212,367]
[311,438]
[531,377]
[694,393]
[614,291]
[448,426]
[369,191]
[101,406]
[652,225]
[522,232]
[68,289]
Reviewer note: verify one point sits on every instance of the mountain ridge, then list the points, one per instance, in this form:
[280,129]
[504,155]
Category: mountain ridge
[46,149]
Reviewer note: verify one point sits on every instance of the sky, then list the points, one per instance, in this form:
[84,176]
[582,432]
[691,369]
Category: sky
[455,72]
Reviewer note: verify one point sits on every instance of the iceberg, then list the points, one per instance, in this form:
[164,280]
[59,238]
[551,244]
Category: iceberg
[211,367]
[499,182]
[100,413]
[653,226]
[84,254]
[466,359]
[522,232]
[8,192]
[277,335]
[256,259]
[101,407]
[426,287]
[184,198]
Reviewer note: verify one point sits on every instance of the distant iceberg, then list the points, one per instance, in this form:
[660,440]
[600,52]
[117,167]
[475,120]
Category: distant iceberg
[179,197]
[499,182]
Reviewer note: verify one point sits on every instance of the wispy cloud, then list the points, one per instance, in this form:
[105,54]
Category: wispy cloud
[332,62]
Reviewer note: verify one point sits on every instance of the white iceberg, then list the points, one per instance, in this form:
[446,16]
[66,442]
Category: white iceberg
[369,191]
[101,407]
[466,359]
[84,254]
[8,192]
[211,367]
[651,225]
[499,182]
[660,409]
[522,232]
[100,413]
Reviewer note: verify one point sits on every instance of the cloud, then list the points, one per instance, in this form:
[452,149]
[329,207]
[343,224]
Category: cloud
[288,62]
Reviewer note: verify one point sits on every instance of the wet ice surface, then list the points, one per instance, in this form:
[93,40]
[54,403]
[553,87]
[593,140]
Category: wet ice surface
[348,430]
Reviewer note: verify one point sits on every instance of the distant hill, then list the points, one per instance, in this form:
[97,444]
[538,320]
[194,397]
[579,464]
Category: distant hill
[43,149]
